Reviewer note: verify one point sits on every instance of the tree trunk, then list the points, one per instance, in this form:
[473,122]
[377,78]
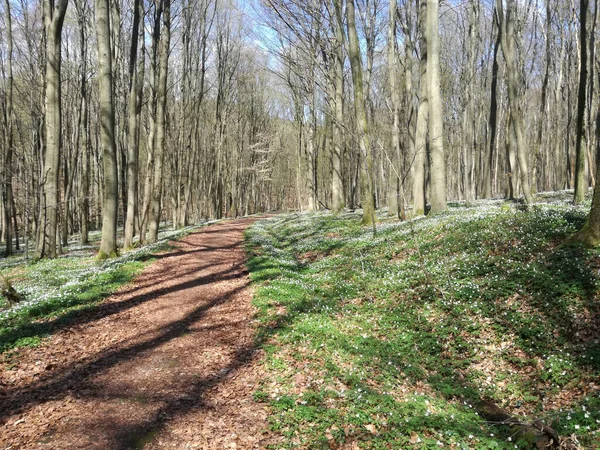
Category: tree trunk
[161,127]
[493,121]
[136,85]
[54,15]
[108,243]
[394,173]
[436,128]
[366,166]
[7,193]
[337,183]
[151,142]
[580,152]
[422,119]
[508,50]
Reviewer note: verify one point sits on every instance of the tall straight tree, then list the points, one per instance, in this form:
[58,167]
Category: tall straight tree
[54,16]
[136,84]
[82,9]
[366,178]
[580,175]
[154,80]
[161,116]
[420,156]
[108,244]
[337,188]
[506,22]
[7,192]
[436,112]
[395,200]
[493,117]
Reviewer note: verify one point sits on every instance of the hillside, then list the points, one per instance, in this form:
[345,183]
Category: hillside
[406,339]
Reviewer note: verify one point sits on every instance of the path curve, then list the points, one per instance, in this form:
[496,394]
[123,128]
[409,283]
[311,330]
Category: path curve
[167,362]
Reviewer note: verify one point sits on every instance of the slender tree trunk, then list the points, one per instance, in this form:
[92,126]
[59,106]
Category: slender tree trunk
[493,121]
[511,158]
[507,21]
[84,127]
[394,173]
[161,127]
[436,126]
[136,85]
[337,186]
[151,143]
[422,119]
[470,119]
[580,152]
[7,196]
[54,14]
[108,243]
[366,167]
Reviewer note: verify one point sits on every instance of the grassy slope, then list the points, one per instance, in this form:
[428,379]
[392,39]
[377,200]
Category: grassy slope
[59,291]
[391,342]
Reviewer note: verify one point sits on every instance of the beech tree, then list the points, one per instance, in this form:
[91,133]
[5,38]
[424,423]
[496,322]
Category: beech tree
[54,16]
[108,245]
[217,109]
[506,20]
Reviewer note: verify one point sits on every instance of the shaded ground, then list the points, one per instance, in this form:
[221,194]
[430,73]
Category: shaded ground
[167,362]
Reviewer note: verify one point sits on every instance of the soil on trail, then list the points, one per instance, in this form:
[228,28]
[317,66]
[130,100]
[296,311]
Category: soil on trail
[167,362]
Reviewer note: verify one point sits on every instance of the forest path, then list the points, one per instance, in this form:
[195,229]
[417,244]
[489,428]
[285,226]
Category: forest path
[167,362]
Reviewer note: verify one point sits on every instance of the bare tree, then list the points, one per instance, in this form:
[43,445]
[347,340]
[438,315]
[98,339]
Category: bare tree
[366,167]
[506,21]
[54,15]
[108,245]
[165,42]
[7,172]
[580,153]
[436,113]
[136,85]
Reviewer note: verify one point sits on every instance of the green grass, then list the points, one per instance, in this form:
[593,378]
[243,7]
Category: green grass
[60,291]
[392,341]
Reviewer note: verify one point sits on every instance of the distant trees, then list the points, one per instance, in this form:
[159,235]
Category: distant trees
[325,104]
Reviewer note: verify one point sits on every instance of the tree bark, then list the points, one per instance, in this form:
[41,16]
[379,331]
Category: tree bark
[366,166]
[108,243]
[436,126]
[507,21]
[54,15]
[136,85]
[337,182]
[394,173]
[422,118]
[7,193]
[580,152]
[493,120]
[161,126]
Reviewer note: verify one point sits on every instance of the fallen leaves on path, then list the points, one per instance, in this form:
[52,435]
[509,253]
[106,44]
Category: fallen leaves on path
[167,362]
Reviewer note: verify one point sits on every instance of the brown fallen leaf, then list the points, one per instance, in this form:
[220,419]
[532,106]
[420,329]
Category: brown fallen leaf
[371,428]
[414,438]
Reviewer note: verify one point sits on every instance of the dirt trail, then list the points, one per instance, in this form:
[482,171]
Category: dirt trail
[167,362]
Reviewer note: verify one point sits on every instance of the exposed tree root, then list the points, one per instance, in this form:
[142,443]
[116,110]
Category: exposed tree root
[536,432]
[8,292]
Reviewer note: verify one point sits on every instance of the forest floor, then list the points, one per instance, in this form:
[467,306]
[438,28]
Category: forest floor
[168,361]
[326,336]
[416,337]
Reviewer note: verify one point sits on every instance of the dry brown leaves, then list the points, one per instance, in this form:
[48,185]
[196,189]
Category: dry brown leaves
[168,362]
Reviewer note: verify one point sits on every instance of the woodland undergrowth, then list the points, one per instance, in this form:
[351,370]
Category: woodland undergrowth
[396,340]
